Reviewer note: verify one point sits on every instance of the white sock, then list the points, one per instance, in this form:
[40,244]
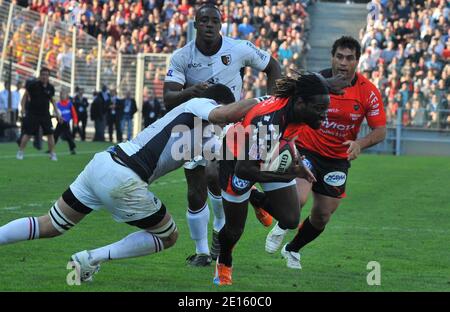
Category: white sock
[134,245]
[198,227]
[19,230]
[219,215]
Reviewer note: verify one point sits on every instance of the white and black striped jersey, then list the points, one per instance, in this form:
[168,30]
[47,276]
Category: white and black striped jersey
[188,66]
[150,153]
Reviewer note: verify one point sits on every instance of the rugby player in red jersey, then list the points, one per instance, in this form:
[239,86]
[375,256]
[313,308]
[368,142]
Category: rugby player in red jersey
[301,100]
[329,150]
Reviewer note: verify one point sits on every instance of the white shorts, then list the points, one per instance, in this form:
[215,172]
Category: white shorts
[267,187]
[106,184]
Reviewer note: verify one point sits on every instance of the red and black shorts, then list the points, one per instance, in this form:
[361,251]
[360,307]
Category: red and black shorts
[237,190]
[331,173]
[32,123]
[229,182]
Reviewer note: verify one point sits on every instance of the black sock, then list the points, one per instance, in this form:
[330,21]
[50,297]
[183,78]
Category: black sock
[226,247]
[306,233]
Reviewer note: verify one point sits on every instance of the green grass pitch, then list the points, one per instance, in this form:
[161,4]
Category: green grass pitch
[397,213]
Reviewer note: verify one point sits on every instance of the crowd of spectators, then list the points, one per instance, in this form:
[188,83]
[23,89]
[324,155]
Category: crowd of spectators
[406,53]
[406,47]
[155,26]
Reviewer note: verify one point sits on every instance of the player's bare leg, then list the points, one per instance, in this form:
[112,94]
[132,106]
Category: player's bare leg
[51,147]
[198,215]
[321,211]
[274,239]
[229,235]
[22,145]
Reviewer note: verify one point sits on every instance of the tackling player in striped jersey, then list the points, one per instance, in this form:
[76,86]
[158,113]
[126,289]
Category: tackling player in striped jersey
[117,180]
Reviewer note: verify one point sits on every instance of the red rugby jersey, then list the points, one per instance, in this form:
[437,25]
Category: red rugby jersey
[271,113]
[344,117]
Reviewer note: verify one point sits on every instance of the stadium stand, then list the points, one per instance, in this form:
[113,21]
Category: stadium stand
[406,54]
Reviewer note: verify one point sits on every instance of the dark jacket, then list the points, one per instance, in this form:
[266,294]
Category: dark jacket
[99,106]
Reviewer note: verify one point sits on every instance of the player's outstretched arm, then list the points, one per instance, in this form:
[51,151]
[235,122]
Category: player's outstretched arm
[174,94]
[232,112]
[273,72]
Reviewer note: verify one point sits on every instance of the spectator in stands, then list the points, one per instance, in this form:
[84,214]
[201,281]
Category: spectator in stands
[129,109]
[5,96]
[432,111]
[114,115]
[102,101]
[444,112]
[389,53]
[81,106]
[68,113]
[417,114]
[151,109]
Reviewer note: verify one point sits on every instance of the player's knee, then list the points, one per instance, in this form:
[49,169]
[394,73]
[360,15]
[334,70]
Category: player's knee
[196,197]
[212,178]
[46,228]
[170,240]
[320,220]
[290,221]
[303,198]
[167,233]
[229,235]
[55,223]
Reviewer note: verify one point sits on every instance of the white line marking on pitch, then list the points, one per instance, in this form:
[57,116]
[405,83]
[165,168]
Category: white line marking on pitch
[46,155]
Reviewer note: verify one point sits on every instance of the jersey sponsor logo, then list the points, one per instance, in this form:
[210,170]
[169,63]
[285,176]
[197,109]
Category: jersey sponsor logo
[373,99]
[375,112]
[307,164]
[334,125]
[194,65]
[355,116]
[335,178]
[170,73]
[226,59]
[333,110]
[240,184]
[375,106]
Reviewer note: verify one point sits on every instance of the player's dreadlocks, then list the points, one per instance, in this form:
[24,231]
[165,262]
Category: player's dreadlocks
[304,86]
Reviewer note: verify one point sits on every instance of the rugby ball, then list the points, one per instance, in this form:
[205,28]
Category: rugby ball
[281,157]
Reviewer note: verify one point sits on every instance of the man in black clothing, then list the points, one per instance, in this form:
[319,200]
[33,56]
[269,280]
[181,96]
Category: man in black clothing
[151,109]
[37,140]
[129,108]
[81,105]
[114,115]
[102,100]
[40,93]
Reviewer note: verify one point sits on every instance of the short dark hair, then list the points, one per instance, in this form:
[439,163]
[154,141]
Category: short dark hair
[304,86]
[347,42]
[44,69]
[207,6]
[219,93]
